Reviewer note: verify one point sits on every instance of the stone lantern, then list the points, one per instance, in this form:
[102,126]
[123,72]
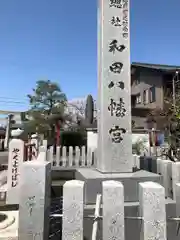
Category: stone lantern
[16,133]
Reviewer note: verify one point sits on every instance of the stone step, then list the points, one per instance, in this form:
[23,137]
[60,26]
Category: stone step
[58,183]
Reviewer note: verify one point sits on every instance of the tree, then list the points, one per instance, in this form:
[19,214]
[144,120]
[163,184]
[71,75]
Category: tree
[48,104]
[139,146]
[168,119]
[85,111]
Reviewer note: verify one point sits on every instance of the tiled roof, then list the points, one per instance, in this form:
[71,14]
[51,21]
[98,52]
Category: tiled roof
[156,66]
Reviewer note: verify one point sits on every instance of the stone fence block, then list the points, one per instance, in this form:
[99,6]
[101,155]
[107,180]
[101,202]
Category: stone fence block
[175,177]
[166,172]
[34,203]
[152,210]
[148,163]
[177,200]
[113,210]
[73,207]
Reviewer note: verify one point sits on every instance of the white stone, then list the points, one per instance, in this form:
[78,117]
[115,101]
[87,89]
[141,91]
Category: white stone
[114,89]
[34,202]
[113,210]
[70,159]
[35,147]
[175,177]
[17,132]
[158,162]
[73,207]
[89,157]
[45,143]
[77,156]
[153,211]
[64,156]
[58,151]
[91,140]
[51,155]
[42,156]
[15,161]
[83,156]
[166,172]
[177,200]
[136,161]
[34,136]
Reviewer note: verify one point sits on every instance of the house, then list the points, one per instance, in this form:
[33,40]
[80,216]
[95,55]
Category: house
[149,85]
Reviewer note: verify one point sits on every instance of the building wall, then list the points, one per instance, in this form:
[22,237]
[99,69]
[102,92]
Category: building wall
[144,80]
[140,122]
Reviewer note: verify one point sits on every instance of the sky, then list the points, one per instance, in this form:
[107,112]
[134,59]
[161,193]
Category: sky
[57,40]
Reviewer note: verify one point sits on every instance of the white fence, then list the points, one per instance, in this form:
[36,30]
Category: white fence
[69,157]
[64,157]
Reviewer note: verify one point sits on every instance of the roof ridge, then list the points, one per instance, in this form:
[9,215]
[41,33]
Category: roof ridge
[155,64]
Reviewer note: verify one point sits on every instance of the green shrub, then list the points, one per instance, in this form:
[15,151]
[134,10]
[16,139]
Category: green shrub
[73,138]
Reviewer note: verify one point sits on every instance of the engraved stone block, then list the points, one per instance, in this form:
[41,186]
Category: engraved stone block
[34,202]
[113,210]
[114,88]
[152,210]
[73,206]
[15,161]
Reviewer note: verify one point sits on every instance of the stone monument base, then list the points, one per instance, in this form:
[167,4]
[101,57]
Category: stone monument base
[93,182]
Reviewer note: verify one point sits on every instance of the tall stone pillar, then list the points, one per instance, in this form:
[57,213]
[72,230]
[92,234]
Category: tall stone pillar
[114,87]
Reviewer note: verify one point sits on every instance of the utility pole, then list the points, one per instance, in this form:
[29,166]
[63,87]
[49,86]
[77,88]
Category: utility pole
[174,97]
[174,90]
